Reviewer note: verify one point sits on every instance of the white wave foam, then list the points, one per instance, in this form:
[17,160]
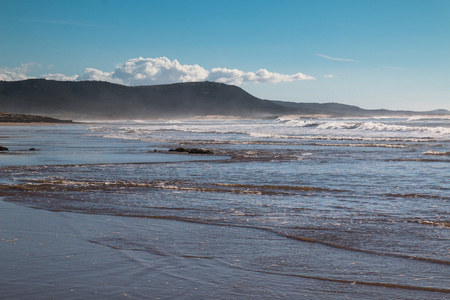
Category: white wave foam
[364,125]
[428,118]
[432,152]
[364,145]
[330,129]
[302,123]
[102,129]
[268,135]
[339,125]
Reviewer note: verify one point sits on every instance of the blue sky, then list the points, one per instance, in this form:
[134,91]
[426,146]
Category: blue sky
[374,54]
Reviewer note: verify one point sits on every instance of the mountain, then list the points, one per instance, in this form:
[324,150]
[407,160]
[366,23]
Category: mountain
[103,100]
[337,109]
[93,99]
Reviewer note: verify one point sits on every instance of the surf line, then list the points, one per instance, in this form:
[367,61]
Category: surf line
[289,236]
[430,260]
[272,230]
[388,285]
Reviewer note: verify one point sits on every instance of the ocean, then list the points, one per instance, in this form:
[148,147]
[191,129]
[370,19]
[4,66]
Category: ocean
[289,208]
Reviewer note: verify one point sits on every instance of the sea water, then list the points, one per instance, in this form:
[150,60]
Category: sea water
[285,208]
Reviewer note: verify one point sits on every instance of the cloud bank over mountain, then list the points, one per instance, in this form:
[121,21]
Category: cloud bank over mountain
[237,77]
[18,73]
[148,71]
[144,71]
[60,77]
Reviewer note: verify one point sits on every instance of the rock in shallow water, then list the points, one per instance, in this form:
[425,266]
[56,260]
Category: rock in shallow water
[191,151]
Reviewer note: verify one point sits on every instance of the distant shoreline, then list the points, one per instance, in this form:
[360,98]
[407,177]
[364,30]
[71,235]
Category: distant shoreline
[11,118]
[2,123]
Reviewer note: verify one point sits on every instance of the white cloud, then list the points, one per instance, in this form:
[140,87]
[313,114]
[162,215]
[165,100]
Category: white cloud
[335,58]
[224,75]
[144,71]
[21,73]
[60,77]
[18,73]
[97,75]
[148,71]
[237,77]
[329,76]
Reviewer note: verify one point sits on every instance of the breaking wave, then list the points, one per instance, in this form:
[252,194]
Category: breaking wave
[432,152]
[363,125]
[390,130]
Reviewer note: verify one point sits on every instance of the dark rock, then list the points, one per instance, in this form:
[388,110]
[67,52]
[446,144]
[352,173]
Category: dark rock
[3,148]
[199,151]
[32,149]
[191,151]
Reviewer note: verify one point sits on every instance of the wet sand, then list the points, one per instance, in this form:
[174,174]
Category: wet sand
[73,256]
[62,255]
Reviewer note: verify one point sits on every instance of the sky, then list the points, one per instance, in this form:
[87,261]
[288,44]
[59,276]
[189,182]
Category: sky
[392,54]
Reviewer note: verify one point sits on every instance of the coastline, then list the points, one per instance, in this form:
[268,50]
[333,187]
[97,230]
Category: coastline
[34,123]
[6,117]
[88,215]
[215,118]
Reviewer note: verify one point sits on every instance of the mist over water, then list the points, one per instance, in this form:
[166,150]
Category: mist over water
[358,207]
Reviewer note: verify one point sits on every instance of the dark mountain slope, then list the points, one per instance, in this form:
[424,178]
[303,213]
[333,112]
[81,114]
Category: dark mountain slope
[94,99]
[20,118]
[107,100]
[343,110]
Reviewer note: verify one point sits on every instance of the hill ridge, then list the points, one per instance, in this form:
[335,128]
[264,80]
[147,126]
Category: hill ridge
[105,100]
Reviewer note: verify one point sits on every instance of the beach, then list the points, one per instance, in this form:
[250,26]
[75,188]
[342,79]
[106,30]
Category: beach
[56,255]
[65,255]
[285,209]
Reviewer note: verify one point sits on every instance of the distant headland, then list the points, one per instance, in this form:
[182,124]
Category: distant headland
[102,100]
[22,118]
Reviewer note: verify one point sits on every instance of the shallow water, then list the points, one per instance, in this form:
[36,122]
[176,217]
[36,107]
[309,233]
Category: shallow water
[354,207]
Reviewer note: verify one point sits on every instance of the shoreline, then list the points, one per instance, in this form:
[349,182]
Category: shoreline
[39,247]
[62,254]
[35,123]
[217,118]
